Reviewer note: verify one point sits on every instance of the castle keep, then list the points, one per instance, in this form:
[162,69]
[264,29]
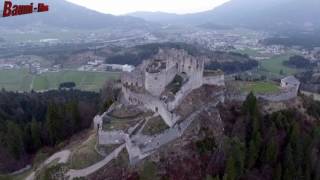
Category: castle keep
[160,83]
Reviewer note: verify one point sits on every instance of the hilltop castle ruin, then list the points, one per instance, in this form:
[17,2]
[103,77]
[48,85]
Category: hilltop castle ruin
[160,83]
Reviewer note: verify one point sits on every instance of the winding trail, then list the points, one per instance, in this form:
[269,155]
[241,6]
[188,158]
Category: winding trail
[63,157]
[71,174]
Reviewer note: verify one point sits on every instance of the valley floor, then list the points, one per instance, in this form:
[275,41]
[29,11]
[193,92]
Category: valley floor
[21,80]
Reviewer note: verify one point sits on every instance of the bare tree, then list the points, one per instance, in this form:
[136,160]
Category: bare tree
[109,94]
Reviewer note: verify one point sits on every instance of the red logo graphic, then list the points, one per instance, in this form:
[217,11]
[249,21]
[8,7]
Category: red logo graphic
[14,10]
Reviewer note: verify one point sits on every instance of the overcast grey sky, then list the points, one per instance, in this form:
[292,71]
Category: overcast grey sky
[119,7]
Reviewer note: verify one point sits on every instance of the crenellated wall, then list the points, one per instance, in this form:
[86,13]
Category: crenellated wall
[191,65]
[135,78]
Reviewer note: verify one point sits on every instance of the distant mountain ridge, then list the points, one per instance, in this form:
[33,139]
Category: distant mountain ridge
[63,14]
[154,16]
[262,14]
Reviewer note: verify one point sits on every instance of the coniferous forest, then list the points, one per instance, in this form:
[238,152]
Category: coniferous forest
[281,145]
[30,121]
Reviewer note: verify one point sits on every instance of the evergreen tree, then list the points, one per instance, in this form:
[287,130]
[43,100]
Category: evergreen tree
[72,118]
[307,162]
[295,140]
[317,171]
[288,164]
[70,122]
[3,128]
[209,177]
[250,105]
[239,155]
[298,174]
[307,174]
[14,139]
[216,178]
[54,123]
[230,172]
[281,121]
[236,161]
[27,139]
[253,150]
[271,148]
[76,115]
[35,134]
[253,138]
[277,175]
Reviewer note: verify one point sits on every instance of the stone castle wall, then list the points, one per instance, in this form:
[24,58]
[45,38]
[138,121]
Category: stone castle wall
[153,83]
[214,80]
[284,95]
[191,66]
[193,84]
[182,93]
[152,103]
[177,61]
[156,83]
[135,78]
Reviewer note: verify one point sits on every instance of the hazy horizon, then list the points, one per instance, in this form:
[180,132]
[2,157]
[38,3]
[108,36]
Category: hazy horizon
[122,7]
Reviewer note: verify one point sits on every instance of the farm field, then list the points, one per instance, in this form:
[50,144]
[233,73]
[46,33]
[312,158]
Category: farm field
[15,80]
[275,65]
[21,80]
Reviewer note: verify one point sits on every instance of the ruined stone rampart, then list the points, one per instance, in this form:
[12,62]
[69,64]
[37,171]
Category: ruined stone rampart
[135,78]
[156,83]
[283,95]
[144,86]
[152,103]
[182,93]
[214,80]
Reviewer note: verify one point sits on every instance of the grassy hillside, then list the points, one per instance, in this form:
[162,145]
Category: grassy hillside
[260,87]
[21,80]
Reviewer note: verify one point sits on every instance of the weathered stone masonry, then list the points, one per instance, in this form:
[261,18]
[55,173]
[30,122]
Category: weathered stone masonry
[147,84]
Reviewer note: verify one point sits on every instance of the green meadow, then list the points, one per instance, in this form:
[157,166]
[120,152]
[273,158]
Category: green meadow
[275,65]
[21,80]
[260,87]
